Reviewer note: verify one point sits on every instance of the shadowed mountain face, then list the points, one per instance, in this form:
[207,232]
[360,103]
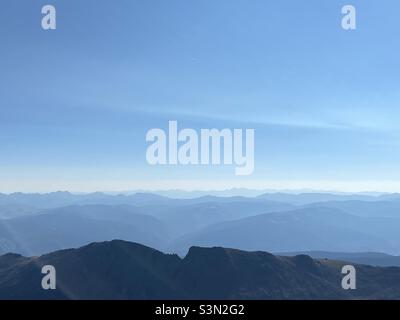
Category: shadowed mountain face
[123,270]
[319,228]
[364,208]
[153,225]
[16,210]
[76,226]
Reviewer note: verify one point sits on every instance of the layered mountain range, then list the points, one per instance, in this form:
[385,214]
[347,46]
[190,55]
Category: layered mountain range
[35,224]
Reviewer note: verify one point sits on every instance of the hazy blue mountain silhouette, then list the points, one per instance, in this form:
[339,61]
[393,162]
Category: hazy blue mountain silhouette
[305,229]
[307,198]
[8,211]
[177,224]
[59,199]
[364,208]
[154,225]
[76,226]
[184,219]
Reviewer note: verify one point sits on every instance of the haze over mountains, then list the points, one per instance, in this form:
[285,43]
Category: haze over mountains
[34,224]
[64,198]
[318,228]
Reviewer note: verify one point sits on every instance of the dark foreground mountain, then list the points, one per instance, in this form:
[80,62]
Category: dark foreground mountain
[124,270]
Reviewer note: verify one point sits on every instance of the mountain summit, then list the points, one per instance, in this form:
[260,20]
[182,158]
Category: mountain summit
[125,270]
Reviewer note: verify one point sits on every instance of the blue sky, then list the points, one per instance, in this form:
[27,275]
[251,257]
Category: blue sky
[76,103]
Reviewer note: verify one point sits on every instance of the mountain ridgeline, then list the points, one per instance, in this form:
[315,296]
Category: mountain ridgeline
[124,270]
[36,224]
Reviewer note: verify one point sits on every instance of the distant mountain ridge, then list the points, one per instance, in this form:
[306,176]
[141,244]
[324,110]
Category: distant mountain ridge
[308,198]
[76,226]
[366,258]
[61,199]
[320,228]
[64,198]
[28,221]
[123,270]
